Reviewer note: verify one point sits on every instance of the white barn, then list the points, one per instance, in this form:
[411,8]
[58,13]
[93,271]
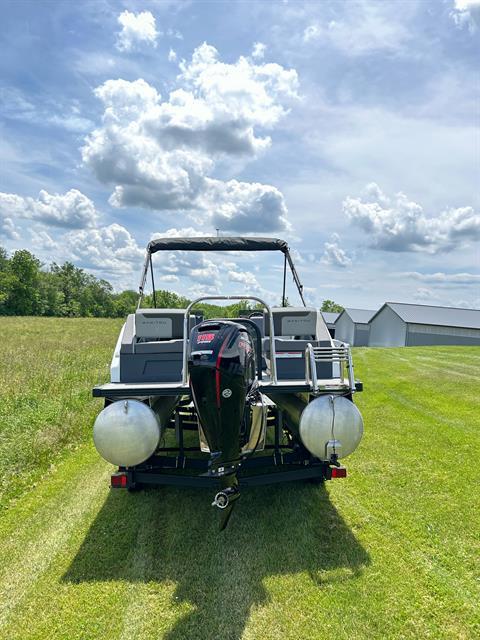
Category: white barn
[353,326]
[399,324]
[330,319]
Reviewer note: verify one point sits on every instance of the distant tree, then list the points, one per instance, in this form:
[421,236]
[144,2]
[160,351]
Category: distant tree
[6,281]
[95,298]
[66,290]
[23,298]
[71,281]
[51,298]
[165,300]
[239,308]
[124,303]
[3,259]
[331,306]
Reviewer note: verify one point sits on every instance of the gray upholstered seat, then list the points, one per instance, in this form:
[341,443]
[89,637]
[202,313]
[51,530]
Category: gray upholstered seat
[305,322]
[152,345]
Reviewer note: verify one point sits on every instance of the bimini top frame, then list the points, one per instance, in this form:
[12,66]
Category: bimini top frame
[231,243]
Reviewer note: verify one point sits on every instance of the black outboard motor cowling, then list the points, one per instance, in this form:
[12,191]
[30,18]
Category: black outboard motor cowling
[222,371]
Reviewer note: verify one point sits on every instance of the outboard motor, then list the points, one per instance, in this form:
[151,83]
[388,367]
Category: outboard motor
[221,365]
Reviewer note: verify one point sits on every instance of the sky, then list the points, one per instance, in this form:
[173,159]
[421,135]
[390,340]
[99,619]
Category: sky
[350,129]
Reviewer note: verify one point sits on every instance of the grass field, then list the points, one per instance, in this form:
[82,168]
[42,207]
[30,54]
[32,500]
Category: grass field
[393,551]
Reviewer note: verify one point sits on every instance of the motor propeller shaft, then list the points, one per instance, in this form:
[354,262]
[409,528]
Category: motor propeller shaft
[225,497]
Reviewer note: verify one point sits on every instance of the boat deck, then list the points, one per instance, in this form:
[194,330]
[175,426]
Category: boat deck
[132,389]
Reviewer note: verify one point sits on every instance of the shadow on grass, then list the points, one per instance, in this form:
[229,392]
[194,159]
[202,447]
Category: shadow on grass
[170,536]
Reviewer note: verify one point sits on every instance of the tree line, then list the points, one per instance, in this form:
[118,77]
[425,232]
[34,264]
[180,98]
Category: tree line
[27,288]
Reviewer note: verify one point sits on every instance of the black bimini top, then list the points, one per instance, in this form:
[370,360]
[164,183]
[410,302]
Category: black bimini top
[232,243]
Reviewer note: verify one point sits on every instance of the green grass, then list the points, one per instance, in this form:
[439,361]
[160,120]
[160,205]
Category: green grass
[391,552]
[47,369]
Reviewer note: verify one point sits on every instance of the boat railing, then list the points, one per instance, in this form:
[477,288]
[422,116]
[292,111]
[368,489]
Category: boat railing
[338,353]
[273,359]
[310,367]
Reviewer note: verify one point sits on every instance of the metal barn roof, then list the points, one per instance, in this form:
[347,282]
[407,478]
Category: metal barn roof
[361,316]
[440,316]
[329,317]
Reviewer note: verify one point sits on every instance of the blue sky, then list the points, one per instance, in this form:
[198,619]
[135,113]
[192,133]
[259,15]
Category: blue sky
[348,128]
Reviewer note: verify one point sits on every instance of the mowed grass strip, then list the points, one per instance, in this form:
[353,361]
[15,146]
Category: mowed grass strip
[47,369]
[390,552]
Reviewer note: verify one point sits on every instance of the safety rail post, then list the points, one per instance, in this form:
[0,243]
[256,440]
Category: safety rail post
[351,375]
[186,333]
[310,367]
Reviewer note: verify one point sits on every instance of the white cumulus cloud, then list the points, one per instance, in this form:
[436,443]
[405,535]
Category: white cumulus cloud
[246,278]
[109,249]
[70,210]
[43,240]
[168,278]
[400,224]
[137,29]
[258,51]
[246,206]
[8,228]
[334,255]
[184,232]
[466,13]
[180,265]
[161,153]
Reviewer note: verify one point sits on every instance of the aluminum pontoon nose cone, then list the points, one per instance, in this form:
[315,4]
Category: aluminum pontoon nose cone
[126,433]
[331,424]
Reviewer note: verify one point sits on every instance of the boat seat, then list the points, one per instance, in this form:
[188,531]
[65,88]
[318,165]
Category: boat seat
[305,323]
[152,345]
[153,325]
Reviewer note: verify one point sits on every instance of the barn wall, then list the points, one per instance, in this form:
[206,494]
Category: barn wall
[387,329]
[344,329]
[421,334]
[362,333]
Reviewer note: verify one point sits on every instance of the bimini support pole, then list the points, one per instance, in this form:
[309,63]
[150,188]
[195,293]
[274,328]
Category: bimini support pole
[153,284]
[284,301]
[296,279]
[143,279]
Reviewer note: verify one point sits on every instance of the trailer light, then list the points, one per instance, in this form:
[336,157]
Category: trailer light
[119,480]
[339,472]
